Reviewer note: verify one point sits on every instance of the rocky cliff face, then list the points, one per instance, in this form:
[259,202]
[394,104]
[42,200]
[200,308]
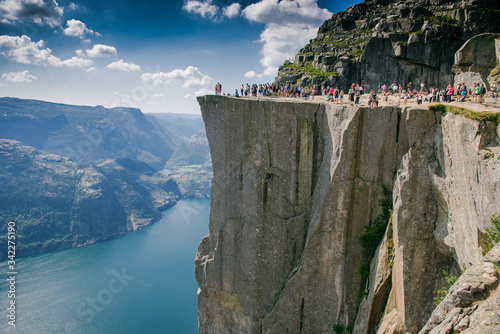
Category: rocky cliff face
[295,185]
[391,41]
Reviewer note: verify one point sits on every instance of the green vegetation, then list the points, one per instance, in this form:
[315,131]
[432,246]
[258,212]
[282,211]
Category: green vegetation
[308,53]
[491,10]
[441,293]
[492,234]
[364,271]
[494,72]
[477,116]
[309,69]
[338,328]
[374,233]
[442,9]
[356,52]
[440,20]
[489,155]
[342,39]
[349,33]
[489,240]
[390,244]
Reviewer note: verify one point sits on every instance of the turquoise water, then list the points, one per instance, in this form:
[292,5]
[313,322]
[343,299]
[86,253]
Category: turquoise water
[142,282]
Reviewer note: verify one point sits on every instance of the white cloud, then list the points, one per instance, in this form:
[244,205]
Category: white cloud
[91,69]
[289,25]
[25,51]
[73,6]
[77,28]
[202,8]
[189,78]
[24,76]
[101,50]
[232,10]
[43,12]
[297,12]
[252,74]
[282,42]
[203,91]
[77,62]
[120,65]
[159,95]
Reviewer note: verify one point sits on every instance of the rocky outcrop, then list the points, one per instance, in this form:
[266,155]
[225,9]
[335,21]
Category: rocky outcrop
[390,41]
[295,185]
[476,59]
[463,309]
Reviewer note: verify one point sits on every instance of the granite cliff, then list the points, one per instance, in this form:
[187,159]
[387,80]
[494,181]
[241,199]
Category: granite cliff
[296,185]
[396,41]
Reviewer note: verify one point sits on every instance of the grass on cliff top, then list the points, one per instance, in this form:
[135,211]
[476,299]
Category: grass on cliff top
[477,116]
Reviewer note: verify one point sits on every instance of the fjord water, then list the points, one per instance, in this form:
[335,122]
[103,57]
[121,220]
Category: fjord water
[142,282]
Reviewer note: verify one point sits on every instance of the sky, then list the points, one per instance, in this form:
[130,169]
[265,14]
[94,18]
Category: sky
[156,55]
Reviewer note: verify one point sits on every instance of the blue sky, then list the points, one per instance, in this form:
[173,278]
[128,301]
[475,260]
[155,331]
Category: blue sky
[155,55]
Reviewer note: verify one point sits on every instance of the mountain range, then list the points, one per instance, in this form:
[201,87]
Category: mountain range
[73,175]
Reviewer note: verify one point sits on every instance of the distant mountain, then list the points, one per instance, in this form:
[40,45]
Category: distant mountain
[195,151]
[73,175]
[87,135]
[57,204]
[191,166]
[182,125]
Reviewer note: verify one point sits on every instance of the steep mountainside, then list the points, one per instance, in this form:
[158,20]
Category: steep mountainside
[56,204]
[392,41]
[86,134]
[295,208]
[183,126]
[195,151]
[191,166]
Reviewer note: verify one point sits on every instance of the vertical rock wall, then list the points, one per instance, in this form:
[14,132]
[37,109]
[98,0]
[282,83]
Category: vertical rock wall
[294,186]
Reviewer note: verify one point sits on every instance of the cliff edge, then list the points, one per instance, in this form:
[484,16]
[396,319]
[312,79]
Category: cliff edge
[295,186]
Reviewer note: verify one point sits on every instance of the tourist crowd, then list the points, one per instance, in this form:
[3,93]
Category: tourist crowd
[461,93]
[399,93]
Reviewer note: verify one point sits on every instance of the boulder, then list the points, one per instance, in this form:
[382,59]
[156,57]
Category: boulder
[475,60]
